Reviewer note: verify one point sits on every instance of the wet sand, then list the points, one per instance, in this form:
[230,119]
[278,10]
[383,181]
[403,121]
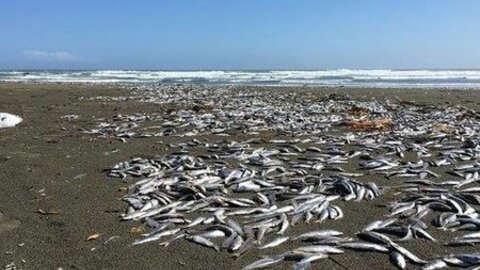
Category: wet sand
[53,193]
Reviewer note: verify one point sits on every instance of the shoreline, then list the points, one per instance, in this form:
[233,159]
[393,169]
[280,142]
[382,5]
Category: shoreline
[432,87]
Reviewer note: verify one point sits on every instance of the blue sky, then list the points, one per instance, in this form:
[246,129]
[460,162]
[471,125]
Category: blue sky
[242,34]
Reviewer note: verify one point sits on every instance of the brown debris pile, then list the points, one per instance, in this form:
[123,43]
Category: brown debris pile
[358,111]
[266,137]
[380,124]
[138,229]
[445,128]
[203,107]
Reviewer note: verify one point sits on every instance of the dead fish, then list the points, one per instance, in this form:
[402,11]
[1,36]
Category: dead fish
[156,236]
[265,262]
[362,246]
[436,264]
[407,254]
[375,237]
[397,259]
[319,234]
[319,249]
[202,241]
[305,262]
[296,180]
[276,242]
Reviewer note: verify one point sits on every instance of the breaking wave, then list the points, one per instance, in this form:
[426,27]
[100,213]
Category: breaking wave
[337,77]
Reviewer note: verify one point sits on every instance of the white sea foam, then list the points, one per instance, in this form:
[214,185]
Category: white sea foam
[9,120]
[346,77]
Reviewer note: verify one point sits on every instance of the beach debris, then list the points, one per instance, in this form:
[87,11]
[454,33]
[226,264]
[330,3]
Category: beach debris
[11,266]
[381,124]
[93,237]
[47,212]
[358,111]
[137,229]
[110,239]
[79,176]
[9,120]
[442,127]
[70,117]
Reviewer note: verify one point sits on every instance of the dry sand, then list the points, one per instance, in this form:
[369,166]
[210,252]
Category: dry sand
[45,153]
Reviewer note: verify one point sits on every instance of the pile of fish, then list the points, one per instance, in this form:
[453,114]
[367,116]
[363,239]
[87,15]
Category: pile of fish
[227,112]
[269,164]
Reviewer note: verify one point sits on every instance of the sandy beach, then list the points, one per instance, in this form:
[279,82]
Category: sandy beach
[54,193]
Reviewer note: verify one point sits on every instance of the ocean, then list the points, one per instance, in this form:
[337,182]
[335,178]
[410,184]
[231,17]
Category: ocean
[333,77]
